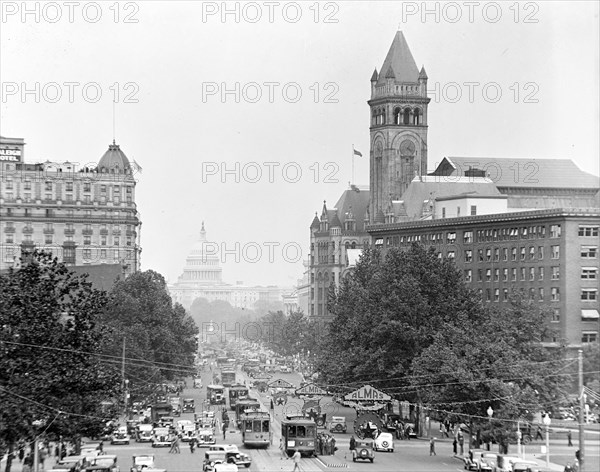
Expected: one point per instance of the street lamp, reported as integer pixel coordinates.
(546, 422)
(490, 413)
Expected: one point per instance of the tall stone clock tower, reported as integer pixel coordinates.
(398, 127)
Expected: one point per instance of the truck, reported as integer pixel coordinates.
(176, 404)
(228, 378)
(158, 410)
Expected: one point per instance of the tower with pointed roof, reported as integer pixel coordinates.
(398, 128)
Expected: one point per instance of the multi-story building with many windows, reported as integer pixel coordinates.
(84, 215)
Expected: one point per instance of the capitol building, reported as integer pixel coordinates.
(202, 278)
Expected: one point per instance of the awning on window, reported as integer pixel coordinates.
(590, 314)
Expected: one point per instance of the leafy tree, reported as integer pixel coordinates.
(51, 376)
(497, 360)
(387, 312)
(160, 338)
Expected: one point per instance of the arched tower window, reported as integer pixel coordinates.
(397, 114)
(406, 116)
(374, 117)
(417, 117)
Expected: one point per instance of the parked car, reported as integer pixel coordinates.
(384, 442)
(363, 450)
(71, 463)
(105, 462)
(487, 461)
(525, 466)
(188, 405)
(144, 433)
(338, 424)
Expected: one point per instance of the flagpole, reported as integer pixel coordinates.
(353, 164)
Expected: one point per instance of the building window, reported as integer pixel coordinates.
(588, 231)
(523, 274)
(451, 255)
(480, 275)
(87, 240)
(540, 273)
(116, 241)
(555, 231)
(505, 275)
(540, 252)
(589, 294)
(128, 242)
(497, 295)
(488, 275)
(9, 239)
(541, 293)
(69, 255)
(102, 253)
(450, 238)
(532, 273)
(443, 212)
(48, 239)
(589, 252)
(458, 211)
(468, 275)
(496, 275)
(488, 255)
(532, 253)
(488, 294)
(555, 294)
(87, 254)
(27, 185)
(532, 293)
(555, 252)
(102, 188)
(480, 255)
(103, 241)
(473, 210)
(87, 187)
(48, 187)
(589, 272)
(496, 254)
(555, 316)
(468, 237)
(69, 186)
(523, 253)
(555, 273)
(513, 274)
(505, 254)
(589, 337)
(116, 254)
(468, 255)
(116, 189)
(513, 254)
(505, 294)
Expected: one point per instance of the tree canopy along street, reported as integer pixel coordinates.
(62, 363)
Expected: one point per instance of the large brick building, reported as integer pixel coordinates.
(84, 215)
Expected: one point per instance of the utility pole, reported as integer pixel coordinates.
(581, 414)
(123, 380)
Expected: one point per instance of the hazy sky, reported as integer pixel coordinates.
(204, 87)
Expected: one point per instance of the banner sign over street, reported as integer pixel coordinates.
(311, 389)
(368, 394)
(279, 383)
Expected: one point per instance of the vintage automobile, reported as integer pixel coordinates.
(504, 463)
(471, 461)
(131, 426)
(197, 382)
(188, 405)
(105, 462)
(166, 422)
(233, 454)
(146, 461)
(89, 450)
(363, 450)
(384, 442)
(390, 421)
(161, 437)
(212, 458)
(144, 433)
(525, 466)
(120, 436)
(205, 437)
(188, 432)
(338, 424)
(487, 461)
(71, 463)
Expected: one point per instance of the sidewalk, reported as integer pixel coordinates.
(541, 461)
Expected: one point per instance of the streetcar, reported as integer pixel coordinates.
(299, 434)
(237, 392)
(243, 405)
(228, 377)
(215, 394)
(256, 428)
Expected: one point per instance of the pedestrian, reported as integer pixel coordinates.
(461, 443)
(192, 445)
(569, 438)
(21, 452)
(538, 434)
(282, 448)
(296, 457)
(272, 406)
(57, 450)
(333, 448)
(432, 446)
(101, 447)
(224, 430)
(455, 446)
(352, 443)
(42, 454)
(63, 451)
